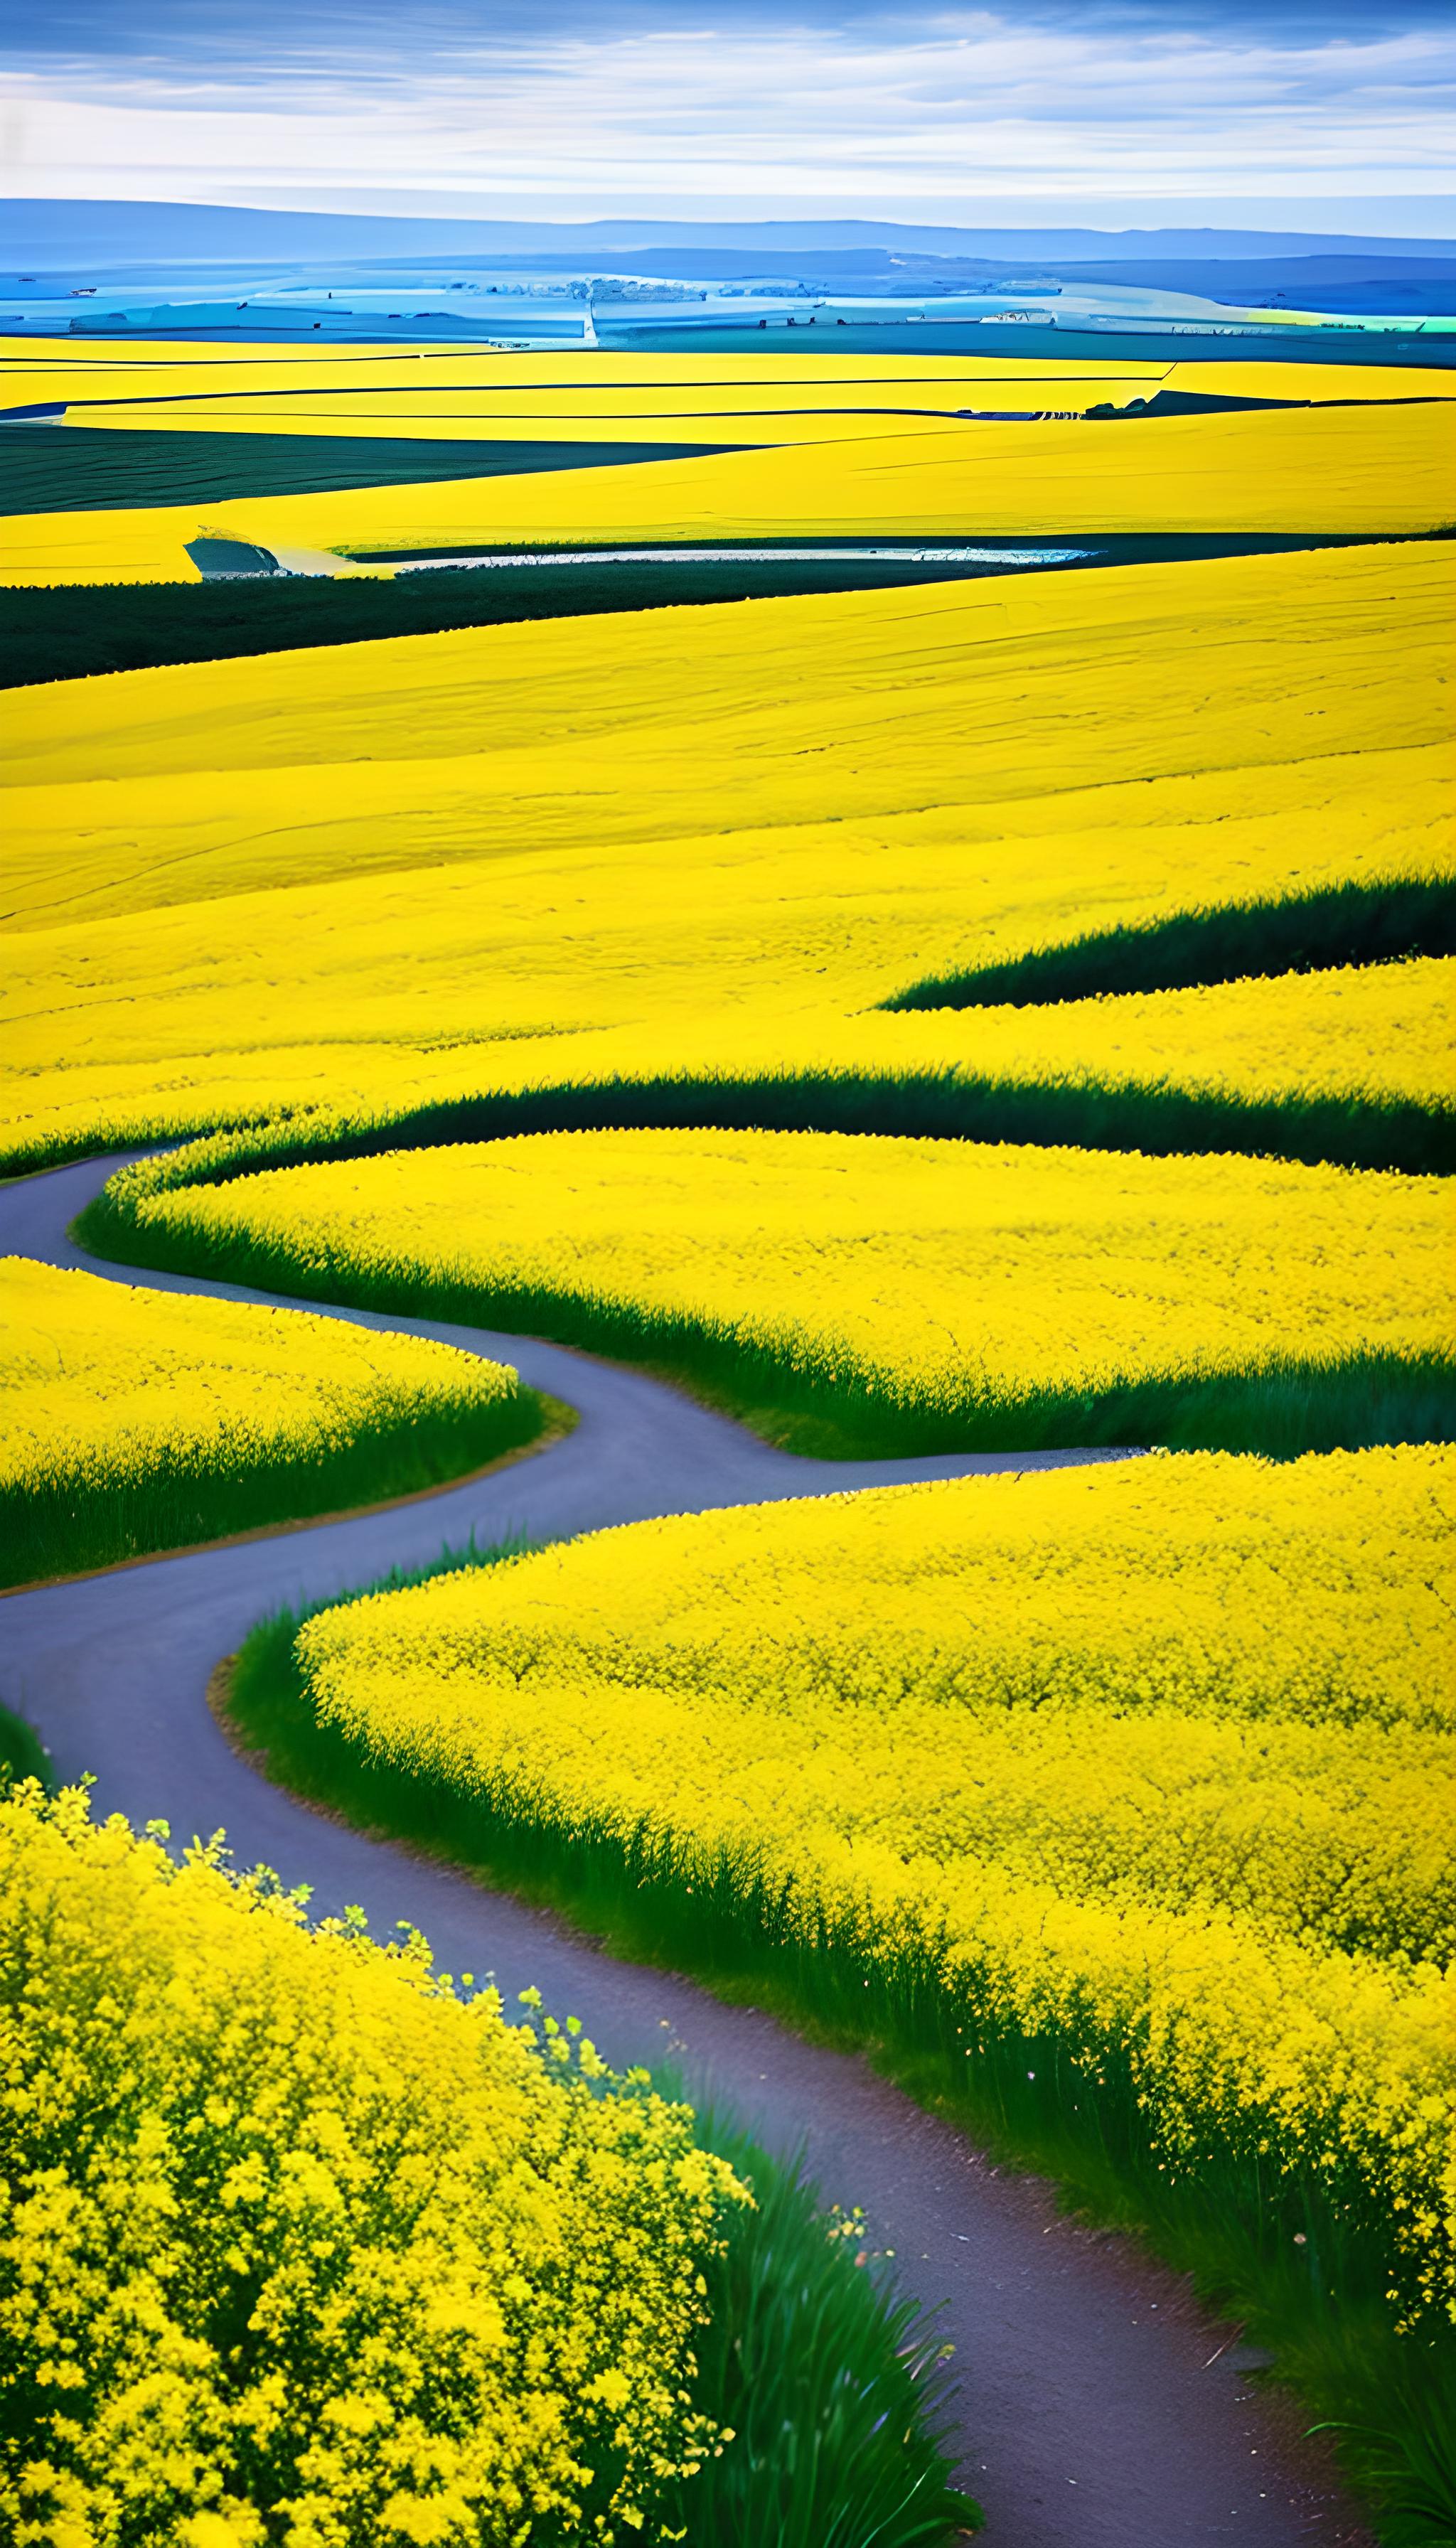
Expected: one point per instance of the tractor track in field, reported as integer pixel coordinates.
(1101, 2404)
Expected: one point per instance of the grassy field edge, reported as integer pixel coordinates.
(816, 1405)
(1382, 919)
(69, 632)
(22, 1755)
(1161, 1122)
(836, 2390)
(65, 1527)
(837, 2387)
(1302, 2273)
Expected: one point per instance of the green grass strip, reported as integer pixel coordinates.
(1376, 923)
(1303, 2262)
(58, 633)
(949, 1104)
(835, 2391)
(22, 1755)
(69, 1527)
(89, 468)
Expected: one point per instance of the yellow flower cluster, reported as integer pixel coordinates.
(945, 1274)
(102, 1383)
(750, 825)
(296, 2244)
(1157, 1756)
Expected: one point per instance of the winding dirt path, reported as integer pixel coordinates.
(1093, 2412)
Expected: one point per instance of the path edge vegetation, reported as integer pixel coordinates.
(805, 2340)
(804, 1400)
(1259, 2249)
(838, 2389)
(22, 1755)
(66, 1527)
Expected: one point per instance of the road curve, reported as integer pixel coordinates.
(1091, 2414)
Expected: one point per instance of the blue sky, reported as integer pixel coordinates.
(1118, 112)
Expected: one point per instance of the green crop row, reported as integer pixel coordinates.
(90, 468)
(56, 633)
(1375, 922)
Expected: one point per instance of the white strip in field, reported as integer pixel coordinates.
(746, 557)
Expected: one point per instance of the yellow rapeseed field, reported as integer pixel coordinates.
(1146, 1764)
(1362, 468)
(984, 717)
(179, 384)
(99, 1381)
(948, 1276)
(981, 731)
(138, 1420)
(692, 840)
(297, 2244)
(444, 394)
(1158, 1755)
(297, 387)
(1381, 1032)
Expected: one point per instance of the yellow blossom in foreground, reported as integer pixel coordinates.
(296, 2243)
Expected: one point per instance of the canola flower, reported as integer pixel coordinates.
(133, 1415)
(297, 389)
(298, 2243)
(1375, 1035)
(283, 389)
(1362, 468)
(964, 725)
(1155, 1757)
(329, 880)
(950, 1277)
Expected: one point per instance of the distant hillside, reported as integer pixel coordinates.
(42, 233)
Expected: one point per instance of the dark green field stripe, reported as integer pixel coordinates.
(1373, 923)
(947, 1105)
(1181, 403)
(90, 468)
(65, 632)
(936, 1105)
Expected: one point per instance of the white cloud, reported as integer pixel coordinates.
(764, 124)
